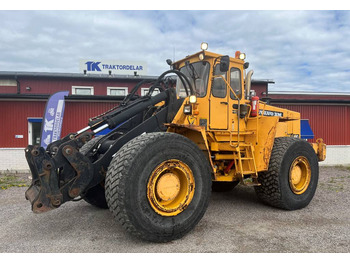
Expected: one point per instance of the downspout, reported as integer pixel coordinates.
(18, 85)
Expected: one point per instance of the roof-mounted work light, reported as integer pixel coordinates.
(204, 46)
(240, 55)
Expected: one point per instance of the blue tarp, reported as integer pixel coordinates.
(305, 129)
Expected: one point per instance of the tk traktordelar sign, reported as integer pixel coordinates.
(113, 67)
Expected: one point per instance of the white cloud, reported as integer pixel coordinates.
(299, 50)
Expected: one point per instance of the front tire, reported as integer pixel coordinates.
(291, 180)
(158, 186)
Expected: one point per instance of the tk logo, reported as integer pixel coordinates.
(93, 66)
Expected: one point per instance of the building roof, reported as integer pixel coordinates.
(14, 74)
(308, 97)
(301, 93)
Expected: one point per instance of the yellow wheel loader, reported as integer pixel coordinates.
(204, 131)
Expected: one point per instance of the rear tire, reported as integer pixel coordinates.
(291, 180)
(138, 192)
(96, 195)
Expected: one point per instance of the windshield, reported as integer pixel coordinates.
(197, 74)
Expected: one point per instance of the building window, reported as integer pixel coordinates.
(117, 91)
(8, 82)
(144, 91)
(82, 90)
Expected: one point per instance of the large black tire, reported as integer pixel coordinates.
(96, 195)
(223, 186)
(277, 188)
(128, 179)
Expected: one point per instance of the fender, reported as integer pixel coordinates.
(198, 135)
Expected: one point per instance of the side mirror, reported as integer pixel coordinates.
(224, 63)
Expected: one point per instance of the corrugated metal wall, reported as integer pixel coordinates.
(14, 118)
(77, 114)
(330, 122)
(13, 121)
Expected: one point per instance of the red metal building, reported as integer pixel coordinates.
(328, 113)
(23, 96)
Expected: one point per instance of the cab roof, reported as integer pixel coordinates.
(207, 54)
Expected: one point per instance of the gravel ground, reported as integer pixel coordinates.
(235, 222)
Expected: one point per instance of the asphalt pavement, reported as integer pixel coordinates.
(235, 222)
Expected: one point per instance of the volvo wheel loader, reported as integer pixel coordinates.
(165, 154)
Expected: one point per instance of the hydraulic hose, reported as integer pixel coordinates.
(182, 78)
(135, 109)
(134, 90)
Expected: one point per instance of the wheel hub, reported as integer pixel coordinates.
(296, 175)
(299, 175)
(170, 188)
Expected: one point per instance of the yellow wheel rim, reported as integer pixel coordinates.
(299, 175)
(170, 188)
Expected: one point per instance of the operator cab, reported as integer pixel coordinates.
(217, 79)
(197, 68)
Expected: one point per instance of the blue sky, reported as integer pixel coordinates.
(299, 50)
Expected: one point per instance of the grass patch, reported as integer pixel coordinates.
(11, 180)
(336, 184)
(343, 167)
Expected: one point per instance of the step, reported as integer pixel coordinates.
(247, 173)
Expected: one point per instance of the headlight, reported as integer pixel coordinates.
(193, 99)
(187, 109)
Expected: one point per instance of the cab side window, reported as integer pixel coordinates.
(218, 88)
(235, 82)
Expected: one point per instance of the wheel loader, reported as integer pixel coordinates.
(205, 130)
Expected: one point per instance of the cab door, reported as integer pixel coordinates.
(235, 77)
(218, 115)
